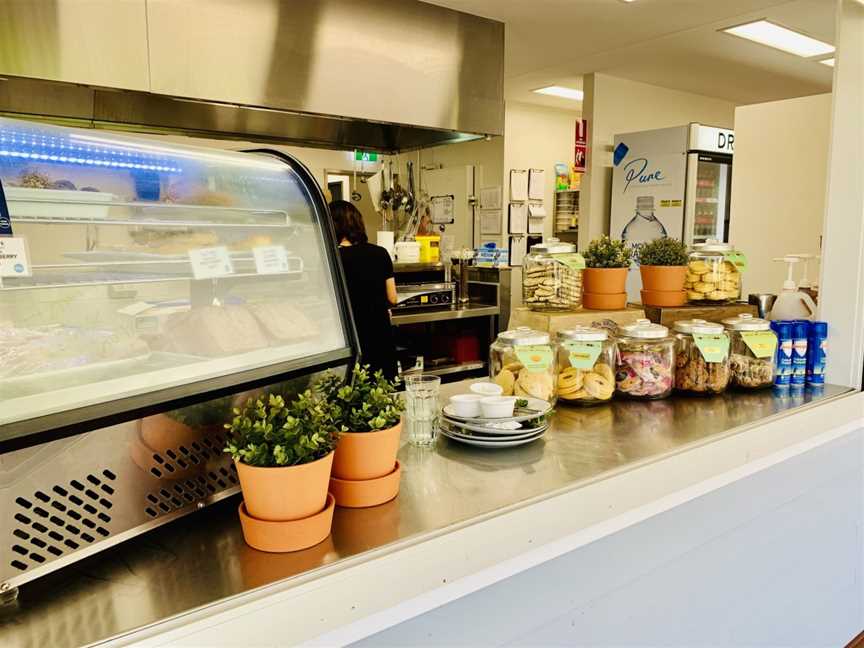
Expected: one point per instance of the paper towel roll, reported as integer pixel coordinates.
(385, 240)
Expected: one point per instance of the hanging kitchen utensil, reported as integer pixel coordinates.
(355, 195)
(410, 202)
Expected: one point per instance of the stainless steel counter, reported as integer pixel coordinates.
(202, 558)
(437, 315)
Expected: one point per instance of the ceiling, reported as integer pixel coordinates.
(670, 43)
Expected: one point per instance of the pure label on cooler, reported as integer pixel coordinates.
(763, 344)
(535, 358)
(714, 348)
(583, 355)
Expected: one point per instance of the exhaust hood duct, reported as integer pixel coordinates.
(378, 74)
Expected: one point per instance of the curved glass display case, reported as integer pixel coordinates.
(157, 272)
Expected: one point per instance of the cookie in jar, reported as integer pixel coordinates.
(552, 277)
(753, 351)
(701, 357)
(712, 277)
(586, 357)
(524, 363)
(645, 361)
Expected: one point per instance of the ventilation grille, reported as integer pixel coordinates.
(172, 464)
(49, 525)
(182, 493)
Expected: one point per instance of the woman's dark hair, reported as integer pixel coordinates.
(348, 222)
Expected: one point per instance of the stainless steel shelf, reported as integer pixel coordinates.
(58, 220)
(418, 267)
(132, 280)
(454, 369)
(435, 315)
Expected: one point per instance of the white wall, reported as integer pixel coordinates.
(778, 185)
(614, 106)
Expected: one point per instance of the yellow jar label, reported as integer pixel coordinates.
(583, 355)
(535, 358)
(763, 344)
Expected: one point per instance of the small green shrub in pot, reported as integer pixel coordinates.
(663, 266)
(663, 252)
(605, 277)
(368, 412)
(268, 432)
(603, 252)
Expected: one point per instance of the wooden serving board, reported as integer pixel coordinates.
(554, 322)
(667, 316)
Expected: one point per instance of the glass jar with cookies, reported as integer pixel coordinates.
(586, 357)
(713, 274)
(701, 357)
(552, 277)
(524, 363)
(645, 361)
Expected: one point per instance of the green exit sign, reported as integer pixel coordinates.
(365, 156)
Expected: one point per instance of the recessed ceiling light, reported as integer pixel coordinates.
(561, 91)
(828, 62)
(772, 35)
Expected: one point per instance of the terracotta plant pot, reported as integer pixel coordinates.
(669, 298)
(366, 492)
(663, 278)
(604, 281)
(593, 301)
(288, 535)
(366, 455)
(285, 493)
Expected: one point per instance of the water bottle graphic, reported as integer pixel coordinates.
(644, 226)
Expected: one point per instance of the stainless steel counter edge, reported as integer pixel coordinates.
(433, 315)
(348, 600)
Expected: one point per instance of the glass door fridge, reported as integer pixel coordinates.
(707, 199)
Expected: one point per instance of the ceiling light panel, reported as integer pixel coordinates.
(787, 40)
(561, 91)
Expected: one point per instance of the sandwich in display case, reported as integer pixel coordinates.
(158, 283)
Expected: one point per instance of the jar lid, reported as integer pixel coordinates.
(523, 336)
(583, 334)
(698, 326)
(643, 328)
(553, 246)
(712, 245)
(746, 322)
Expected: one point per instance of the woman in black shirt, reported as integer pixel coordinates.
(371, 287)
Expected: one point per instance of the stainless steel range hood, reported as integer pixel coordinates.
(379, 74)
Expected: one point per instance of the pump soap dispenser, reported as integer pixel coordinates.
(791, 303)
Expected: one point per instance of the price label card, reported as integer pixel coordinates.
(14, 257)
(270, 259)
(211, 262)
(738, 260)
(583, 355)
(763, 344)
(535, 358)
(714, 348)
(572, 260)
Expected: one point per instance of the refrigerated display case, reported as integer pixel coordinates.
(162, 280)
(709, 179)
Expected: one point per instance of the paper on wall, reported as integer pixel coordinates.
(518, 247)
(535, 225)
(536, 210)
(536, 178)
(518, 184)
(442, 209)
(490, 198)
(518, 221)
(490, 221)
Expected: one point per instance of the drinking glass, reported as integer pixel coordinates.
(422, 408)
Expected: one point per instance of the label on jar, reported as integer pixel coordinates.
(737, 259)
(583, 355)
(763, 344)
(714, 348)
(572, 260)
(536, 358)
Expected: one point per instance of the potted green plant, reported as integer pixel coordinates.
(663, 266)
(369, 416)
(284, 453)
(605, 276)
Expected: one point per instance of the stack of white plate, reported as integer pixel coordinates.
(516, 430)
